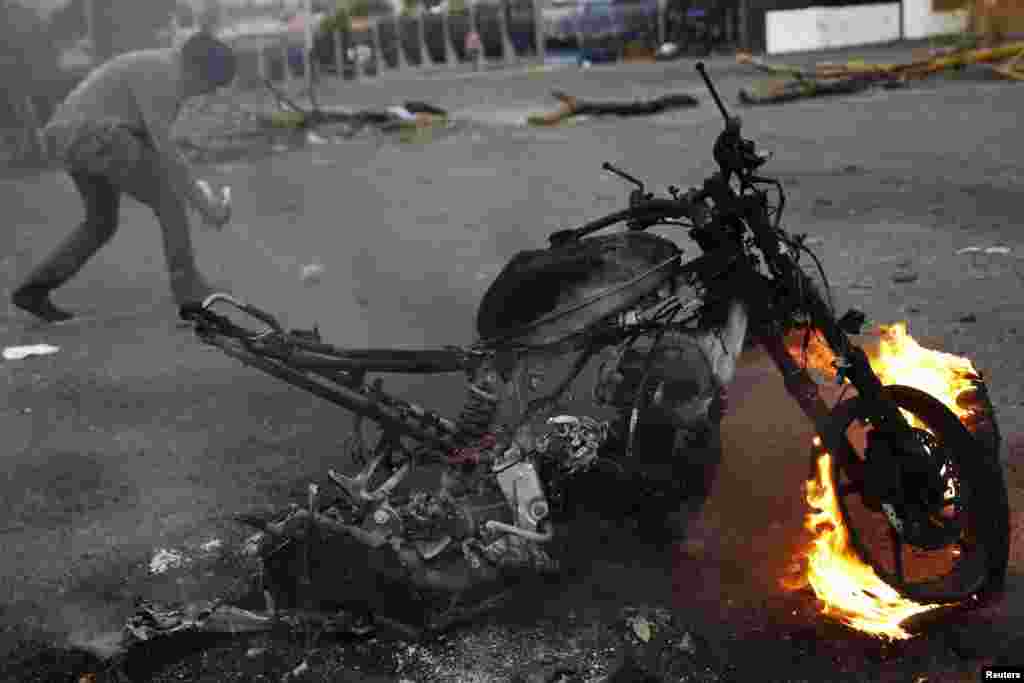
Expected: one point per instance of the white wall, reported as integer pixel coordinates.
(860, 25)
(791, 30)
(822, 28)
(920, 22)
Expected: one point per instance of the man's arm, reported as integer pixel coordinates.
(158, 112)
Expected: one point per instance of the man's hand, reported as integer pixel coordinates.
(217, 210)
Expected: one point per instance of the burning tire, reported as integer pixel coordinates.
(973, 566)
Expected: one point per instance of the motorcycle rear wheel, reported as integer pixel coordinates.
(977, 567)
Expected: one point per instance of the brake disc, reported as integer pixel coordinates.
(918, 515)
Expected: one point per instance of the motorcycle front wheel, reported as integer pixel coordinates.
(972, 515)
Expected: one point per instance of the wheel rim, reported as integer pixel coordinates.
(947, 575)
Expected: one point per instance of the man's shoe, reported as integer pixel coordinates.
(36, 300)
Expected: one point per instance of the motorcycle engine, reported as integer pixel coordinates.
(478, 527)
(509, 497)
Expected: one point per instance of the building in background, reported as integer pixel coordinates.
(781, 26)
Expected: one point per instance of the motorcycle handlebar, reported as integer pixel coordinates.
(688, 207)
(202, 312)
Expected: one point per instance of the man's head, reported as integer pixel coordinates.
(208, 64)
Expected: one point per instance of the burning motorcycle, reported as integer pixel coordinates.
(667, 332)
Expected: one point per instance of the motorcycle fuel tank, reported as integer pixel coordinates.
(548, 296)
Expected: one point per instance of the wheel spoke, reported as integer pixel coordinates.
(897, 553)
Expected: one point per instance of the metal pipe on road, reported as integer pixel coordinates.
(473, 28)
(401, 62)
(508, 50)
(744, 22)
(662, 12)
(450, 57)
(378, 53)
(262, 68)
(539, 32)
(425, 58)
(307, 57)
(339, 53)
(288, 75)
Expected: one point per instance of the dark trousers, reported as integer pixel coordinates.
(110, 163)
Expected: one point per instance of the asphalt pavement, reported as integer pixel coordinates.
(133, 437)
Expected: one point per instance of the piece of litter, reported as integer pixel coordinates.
(315, 139)
(225, 196)
(904, 277)
(297, 671)
(968, 250)
(22, 352)
(251, 547)
(164, 560)
(402, 113)
(487, 272)
(255, 652)
(997, 250)
(311, 273)
(642, 629)
(211, 545)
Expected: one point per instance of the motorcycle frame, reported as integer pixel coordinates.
(741, 218)
(338, 376)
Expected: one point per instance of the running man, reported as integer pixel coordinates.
(112, 134)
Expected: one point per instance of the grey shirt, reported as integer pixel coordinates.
(140, 91)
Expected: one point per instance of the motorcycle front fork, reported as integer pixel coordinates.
(804, 390)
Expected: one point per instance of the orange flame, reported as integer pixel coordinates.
(899, 359)
(849, 590)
